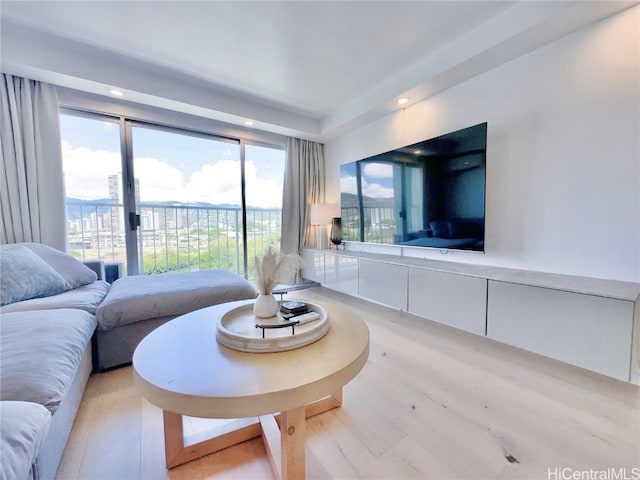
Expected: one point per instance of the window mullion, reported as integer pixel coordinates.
(129, 197)
(243, 196)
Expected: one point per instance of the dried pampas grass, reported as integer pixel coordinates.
(275, 267)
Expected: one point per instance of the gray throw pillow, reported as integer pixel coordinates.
(72, 270)
(23, 428)
(24, 275)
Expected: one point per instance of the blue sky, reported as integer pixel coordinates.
(170, 166)
(377, 179)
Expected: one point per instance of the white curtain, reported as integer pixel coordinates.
(31, 183)
(304, 185)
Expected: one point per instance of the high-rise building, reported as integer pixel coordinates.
(115, 197)
(136, 183)
(115, 188)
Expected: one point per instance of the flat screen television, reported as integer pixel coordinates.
(428, 194)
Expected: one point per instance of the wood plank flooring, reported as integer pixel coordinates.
(431, 403)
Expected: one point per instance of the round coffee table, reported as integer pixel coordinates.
(181, 368)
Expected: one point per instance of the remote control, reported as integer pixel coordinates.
(291, 316)
(307, 317)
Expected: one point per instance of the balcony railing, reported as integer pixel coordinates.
(379, 224)
(173, 238)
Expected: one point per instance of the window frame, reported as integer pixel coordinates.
(155, 121)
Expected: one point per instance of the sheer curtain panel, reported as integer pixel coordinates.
(304, 185)
(31, 183)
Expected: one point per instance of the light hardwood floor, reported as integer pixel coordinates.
(431, 403)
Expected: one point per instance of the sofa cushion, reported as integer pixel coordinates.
(459, 228)
(72, 270)
(40, 352)
(142, 297)
(23, 428)
(25, 275)
(86, 297)
(440, 229)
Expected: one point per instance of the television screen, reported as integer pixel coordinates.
(429, 194)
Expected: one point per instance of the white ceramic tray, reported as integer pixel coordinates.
(237, 329)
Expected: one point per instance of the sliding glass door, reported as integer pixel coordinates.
(165, 200)
(188, 201)
(92, 165)
(263, 180)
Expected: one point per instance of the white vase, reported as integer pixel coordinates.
(265, 306)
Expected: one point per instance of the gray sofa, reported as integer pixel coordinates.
(138, 304)
(459, 233)
(51, 340)
(45, 354)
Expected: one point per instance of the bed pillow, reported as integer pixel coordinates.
(25, 275)
(72, 270)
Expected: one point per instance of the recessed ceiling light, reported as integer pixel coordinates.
(116, 93)
(403, 100)
(417, 152)
(248, 122)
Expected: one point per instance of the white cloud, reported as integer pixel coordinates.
(87, 172)
(159, 180)
(378, 170)
(216, 183)
(376, 190)
(261, 192)
(349, 184)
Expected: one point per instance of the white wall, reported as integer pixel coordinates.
(563, 153)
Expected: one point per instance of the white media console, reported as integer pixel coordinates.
(588, 322)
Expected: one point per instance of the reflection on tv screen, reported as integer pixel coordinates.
(429, 194)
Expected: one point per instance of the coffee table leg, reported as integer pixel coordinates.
(179, 450)
(173, 437)
(292, 443)
(285, 445)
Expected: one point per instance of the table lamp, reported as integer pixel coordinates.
(336, 231)
(321, 215)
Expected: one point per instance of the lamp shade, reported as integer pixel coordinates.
(322, 213)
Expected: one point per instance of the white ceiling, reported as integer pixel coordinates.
(305, 68)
